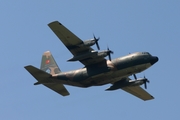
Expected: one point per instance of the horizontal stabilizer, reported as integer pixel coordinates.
(45, 78)
(59, 88)
(39, 75)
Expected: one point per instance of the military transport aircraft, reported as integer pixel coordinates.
(96, 71)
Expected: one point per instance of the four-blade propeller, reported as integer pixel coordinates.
(96, 41)
(109, 52)
(145, 80)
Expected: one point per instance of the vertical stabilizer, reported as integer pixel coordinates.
(48, 64)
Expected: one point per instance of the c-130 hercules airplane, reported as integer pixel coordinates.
(97, 70)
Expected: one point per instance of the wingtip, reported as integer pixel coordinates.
(27, 66)
(37, 83)
(66, 94)
(149, 98)
(152, 97)
(54, 22)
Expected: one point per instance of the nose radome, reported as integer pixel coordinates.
(154, 59)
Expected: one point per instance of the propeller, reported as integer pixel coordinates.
(109, 52)
(145, 82)
(96, 41)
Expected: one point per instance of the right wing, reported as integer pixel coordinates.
(138, 92)
(74, 44)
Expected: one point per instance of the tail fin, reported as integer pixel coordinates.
(48, 64)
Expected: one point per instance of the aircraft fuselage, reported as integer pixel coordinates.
(110, 72)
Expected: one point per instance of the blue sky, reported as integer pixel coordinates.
(125, 26)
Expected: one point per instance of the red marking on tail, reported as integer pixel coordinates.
(47, 61)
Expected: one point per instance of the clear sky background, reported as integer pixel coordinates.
(125, 26)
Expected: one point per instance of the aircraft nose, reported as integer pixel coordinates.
(154, 59)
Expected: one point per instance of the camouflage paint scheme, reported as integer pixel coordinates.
(109, 72)
(97, 71)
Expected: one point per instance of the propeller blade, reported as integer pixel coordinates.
(96, 41)
(148, 81)
(145, 82)
(109, 56)
(144, 76)
(145, 85)
(97, 44)
(135, 76)
(109, 52)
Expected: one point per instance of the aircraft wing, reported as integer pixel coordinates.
(73, 43)
(138, 92)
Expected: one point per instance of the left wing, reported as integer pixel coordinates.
(73, 43)
(138, 92)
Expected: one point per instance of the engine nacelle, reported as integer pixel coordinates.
(83, 56)
(103, 53)
(126, 83)
(90, 42)
(137, 82)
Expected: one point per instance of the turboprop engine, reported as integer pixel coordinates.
(91, 42)
(129, 83)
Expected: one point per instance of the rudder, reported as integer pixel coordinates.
(48, 64)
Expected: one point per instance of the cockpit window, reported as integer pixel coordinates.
(146, 53)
